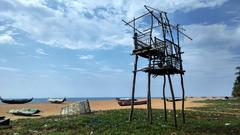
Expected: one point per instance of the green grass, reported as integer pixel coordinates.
(116, 122)
(221, 106)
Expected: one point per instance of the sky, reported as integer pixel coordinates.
(81, 48)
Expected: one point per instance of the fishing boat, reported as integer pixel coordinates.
(4, 122)
(176, 99)
(2, 117)
(56, 100)
(125, 99)
(16, 101)
(129, 102)
(24, 111)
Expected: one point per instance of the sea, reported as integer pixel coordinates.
(45, 100)
(76, 99)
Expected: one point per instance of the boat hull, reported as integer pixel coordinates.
(4, 122)
(16, 101)
(57, 101)
(128, 103)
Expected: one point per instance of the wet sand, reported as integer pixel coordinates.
(49, 109)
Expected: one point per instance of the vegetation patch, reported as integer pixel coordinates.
(205, 120)
(231, 106)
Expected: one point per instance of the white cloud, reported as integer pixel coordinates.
(188, 5)
(210, 58)
(212, 48)
(6, 39)
(109, 69)
(87, 24)
(214, 35)
(11, 69)
(76, 69)
(68, 67)
(40, 51)
(86, 57)
(236, 19)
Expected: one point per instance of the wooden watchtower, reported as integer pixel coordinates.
(156, 40)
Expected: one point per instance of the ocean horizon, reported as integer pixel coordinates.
(75, 99)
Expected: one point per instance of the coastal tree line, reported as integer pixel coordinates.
(236, 85)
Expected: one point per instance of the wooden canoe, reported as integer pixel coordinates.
(24, 111)
(128, 103)
(125, 99)
(56, 100)
(2, 117)
(16, 101)
(4, 122)
(176, 99)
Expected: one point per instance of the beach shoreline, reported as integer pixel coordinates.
(49, 109)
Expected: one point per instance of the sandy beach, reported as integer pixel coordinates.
(49, 109)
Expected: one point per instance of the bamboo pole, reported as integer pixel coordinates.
(133, 87)
(183, 98)
(149, 106)
(173, 97)
(164, 98)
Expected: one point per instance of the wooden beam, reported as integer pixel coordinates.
(183, 98)
(164, 98)
(133, 87)
(173, 97)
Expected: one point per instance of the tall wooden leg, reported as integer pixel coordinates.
(173, 98)
(133, 87)
(149, 106)
(183, 98)
(164, 98)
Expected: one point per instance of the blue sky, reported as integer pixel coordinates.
(81, 48)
